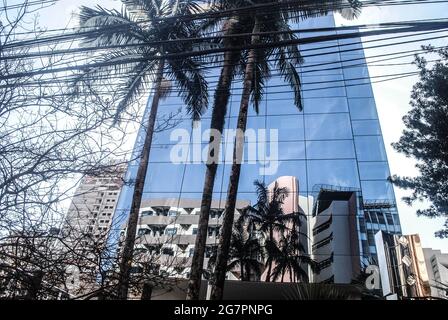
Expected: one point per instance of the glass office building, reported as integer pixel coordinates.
(335, 141)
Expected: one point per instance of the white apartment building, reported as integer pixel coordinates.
(334, 243)
(168, 227)
(437, 267)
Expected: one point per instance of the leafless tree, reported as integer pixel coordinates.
(51, 137)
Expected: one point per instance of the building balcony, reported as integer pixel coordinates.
(166, 239)
(322, 235)
(156, 220)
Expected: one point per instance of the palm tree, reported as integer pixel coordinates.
(246, 254)
(255, 75)
(221, 100)
(268, 217)
(288, 258)
(321, 291)
(141, 22)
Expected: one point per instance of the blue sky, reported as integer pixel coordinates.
(392, 97)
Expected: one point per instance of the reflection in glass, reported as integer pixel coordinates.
(370, 148)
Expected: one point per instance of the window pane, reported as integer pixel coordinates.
(359, 91)
(373, 170)
(341, 173)
(330, 149)
(290, 168)
(370, 148)
(293, 150)
(325, 105)
(377, 190)
(366, 127)
(362, 109)
(289, 127)
(328, 126)
(164, 177)
(323, 86)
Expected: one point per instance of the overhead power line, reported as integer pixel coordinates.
(205, 52)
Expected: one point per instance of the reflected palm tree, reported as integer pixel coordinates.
(267, 28)
(287, 258)
(245, 257)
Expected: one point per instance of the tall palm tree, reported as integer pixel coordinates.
(142, 22)
(221, 99)
(256, 73)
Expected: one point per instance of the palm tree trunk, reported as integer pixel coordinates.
(232, 193)
(247, 273)
(268, 274)
(222, 95)
(147, 291)
(128, 247)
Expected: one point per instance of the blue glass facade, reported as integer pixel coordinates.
(336, 140)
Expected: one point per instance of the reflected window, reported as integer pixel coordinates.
(359, 91)
(377, 190)
(341, 173)
(362, 108)
(328, 126)
(370, 148)
(373, 170)
(366, 127)
(289, 127)
(330, 149)
(325, 105)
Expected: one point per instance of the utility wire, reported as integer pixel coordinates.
(184, 54)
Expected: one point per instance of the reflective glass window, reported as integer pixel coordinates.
(289, 127)
(325, 105)
(377, 190)
(291, 150)
(333, 172)
(164, 177)
(328, 126)
(362, 90)
(370, 148)
(323, 86)
(373, 170)
(355, 74)
(366, 127)
(330, 149)
(363, 108)
(296, 168)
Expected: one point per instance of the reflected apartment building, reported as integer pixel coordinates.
(333, 148)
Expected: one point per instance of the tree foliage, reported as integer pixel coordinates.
(425, 139)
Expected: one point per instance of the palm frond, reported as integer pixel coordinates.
(352, 11)
(292, 77)
(193, 86)
(133, 86)
(109, 27)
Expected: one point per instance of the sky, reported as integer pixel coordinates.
(392, 97)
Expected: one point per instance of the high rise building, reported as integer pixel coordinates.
(93, 205)
(88, 222)
(334, 143)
